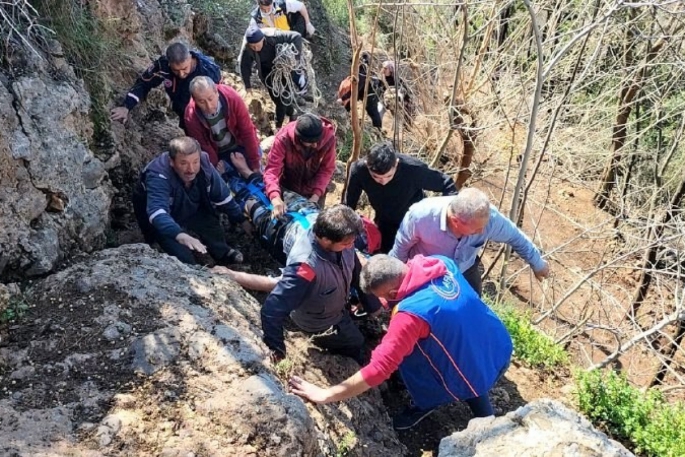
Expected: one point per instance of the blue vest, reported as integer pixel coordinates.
(468, 346)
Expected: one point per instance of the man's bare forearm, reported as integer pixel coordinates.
(250, 281)
(255, 282)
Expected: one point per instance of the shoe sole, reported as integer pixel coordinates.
(407, 427)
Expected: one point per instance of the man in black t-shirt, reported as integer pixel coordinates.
(393, 182)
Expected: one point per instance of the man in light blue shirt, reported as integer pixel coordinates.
(458, 227)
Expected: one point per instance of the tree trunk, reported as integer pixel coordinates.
(625, 105)
(357, 133)
(455, 105)
(669, 354)
(469, 140)
(649, 257)
(504, 19)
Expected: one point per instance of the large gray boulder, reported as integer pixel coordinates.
(539, 429)
(133, 353)
(54, 194)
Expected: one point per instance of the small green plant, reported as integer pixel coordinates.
(284, 368)
(656, 428)
(346, 444)
(16, 309)
(530, 345)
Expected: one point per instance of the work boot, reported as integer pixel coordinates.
(410, 417)
(232, 257)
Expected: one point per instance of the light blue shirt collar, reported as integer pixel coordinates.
(443, 219)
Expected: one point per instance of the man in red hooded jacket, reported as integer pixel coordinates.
(302, 160)
(219, 120)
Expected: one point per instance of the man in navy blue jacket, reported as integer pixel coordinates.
(181, 189)
(176, 69)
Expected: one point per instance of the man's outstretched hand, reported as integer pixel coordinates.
(119, 114)
(218, 269)
(278, 207)
(191, 243)
(308, 390)
(543, 272)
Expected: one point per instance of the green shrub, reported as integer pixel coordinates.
(531, 346)
(656, 428)
(16, 309)
(346, 444)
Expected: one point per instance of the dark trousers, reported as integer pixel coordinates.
(205, 223)
(371, 108)
(285, 103)
(388, 232)
(343, 338)
(281, 109)
(473, 276)
(481, 406)
(297, 24)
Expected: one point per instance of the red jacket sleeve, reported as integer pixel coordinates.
(274, 168)
(245, 132)
(404, 331)
(325, 173)
(195, 129)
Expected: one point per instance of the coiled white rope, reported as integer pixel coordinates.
(280, 81)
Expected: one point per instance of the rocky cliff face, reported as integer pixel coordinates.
(131, 352)
(54, 194)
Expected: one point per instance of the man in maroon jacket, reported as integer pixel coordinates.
(218, 119)
(302, 160)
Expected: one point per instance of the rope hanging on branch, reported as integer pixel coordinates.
(280, 80)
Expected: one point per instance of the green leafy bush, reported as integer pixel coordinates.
(531, 346)
(16, 309)
(656, 428)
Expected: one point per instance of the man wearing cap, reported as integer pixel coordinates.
(175, 70)
(283, 15)
(262, 50)
(302, 159)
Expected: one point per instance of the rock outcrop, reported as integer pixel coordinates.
(54, 194)
(541, 428)
(131, 352)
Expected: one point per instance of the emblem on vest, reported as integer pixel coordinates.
(167, 83)
(446, 286)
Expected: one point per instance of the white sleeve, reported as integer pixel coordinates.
(253, 23)
(293, 6)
